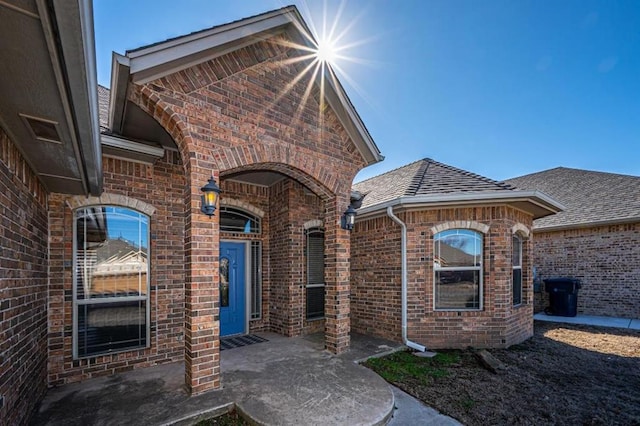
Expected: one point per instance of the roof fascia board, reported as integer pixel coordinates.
(120, 70)
(182, 47)
(159, 71)
(342, 106)
(121, 143)
(535, 197)
(553, 228)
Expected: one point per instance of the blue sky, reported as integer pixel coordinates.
(499, 88)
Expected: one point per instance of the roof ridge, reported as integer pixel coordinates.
(387, 172)
(501, 184)
(418, 178)
(572, 169)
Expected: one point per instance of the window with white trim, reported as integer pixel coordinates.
(517, 270)
(111, 280)
(315, 274)
(457, 265)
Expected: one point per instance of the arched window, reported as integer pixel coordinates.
(457, 264)
(233, 219)
(111, 280)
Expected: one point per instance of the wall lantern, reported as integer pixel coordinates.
(210, 197)
(348, 219)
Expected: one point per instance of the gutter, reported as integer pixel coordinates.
(403, 249)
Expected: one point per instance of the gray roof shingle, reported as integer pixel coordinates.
(588, 196)
(424, 177)
(103, 107)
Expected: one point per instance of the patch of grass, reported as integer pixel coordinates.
(400, 366)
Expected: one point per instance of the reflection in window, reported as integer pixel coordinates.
(458, 270)
(239, 221)
(224, 282)
(517, 270)
(111, 288)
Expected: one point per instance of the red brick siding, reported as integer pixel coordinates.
(23, 287)
(377, 241)
(291, 207)
(162, 186)
(240, 112)
(607, 261)
(376, 279)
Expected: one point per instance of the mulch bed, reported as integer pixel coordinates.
(564, 375)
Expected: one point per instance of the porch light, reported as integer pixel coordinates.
(348, 218)
(210, 197)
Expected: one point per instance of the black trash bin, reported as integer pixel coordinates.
(563, 296)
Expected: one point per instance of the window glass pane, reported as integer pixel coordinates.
(111, 279)
(106, 327)
(315, 302)
(517, 251)
(458, 247)
(315, 257)
(457, 289)
(256, 280)
(111, 253)
(236, 220)
(224, 282)
(517, 286)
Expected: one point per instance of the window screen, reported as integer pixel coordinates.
(315, 274)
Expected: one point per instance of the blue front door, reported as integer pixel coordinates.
(232, 294)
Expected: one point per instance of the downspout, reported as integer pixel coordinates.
(403, 244)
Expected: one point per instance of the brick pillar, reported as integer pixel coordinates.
(202, 325)
(338, 287)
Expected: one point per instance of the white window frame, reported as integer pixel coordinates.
(437, 268)
(77, 303)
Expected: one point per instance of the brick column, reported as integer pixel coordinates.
(202, 325)
(338, 287)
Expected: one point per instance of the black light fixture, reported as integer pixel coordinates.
(348, 219)
(210, 197)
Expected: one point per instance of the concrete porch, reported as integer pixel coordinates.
(282, 381)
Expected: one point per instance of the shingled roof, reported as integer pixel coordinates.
(424, 177)
(103, 107)
(589, 197)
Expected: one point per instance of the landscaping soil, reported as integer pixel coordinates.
(564, 375)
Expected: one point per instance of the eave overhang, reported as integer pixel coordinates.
(149, 63)
(49, 78)
(535, 203)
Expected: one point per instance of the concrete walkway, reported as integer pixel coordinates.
(285, 381)
(633, 324)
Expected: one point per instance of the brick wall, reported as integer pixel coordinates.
(606, 259)
(291, 206)
(23, 286)
(162, 186)
(376, 281)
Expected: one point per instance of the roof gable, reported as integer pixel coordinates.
(424, 177)
(428, 183)
(590, 197)
(158, 60)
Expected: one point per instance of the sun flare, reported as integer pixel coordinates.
(326, 52)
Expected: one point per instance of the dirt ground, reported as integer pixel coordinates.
(564, 375)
